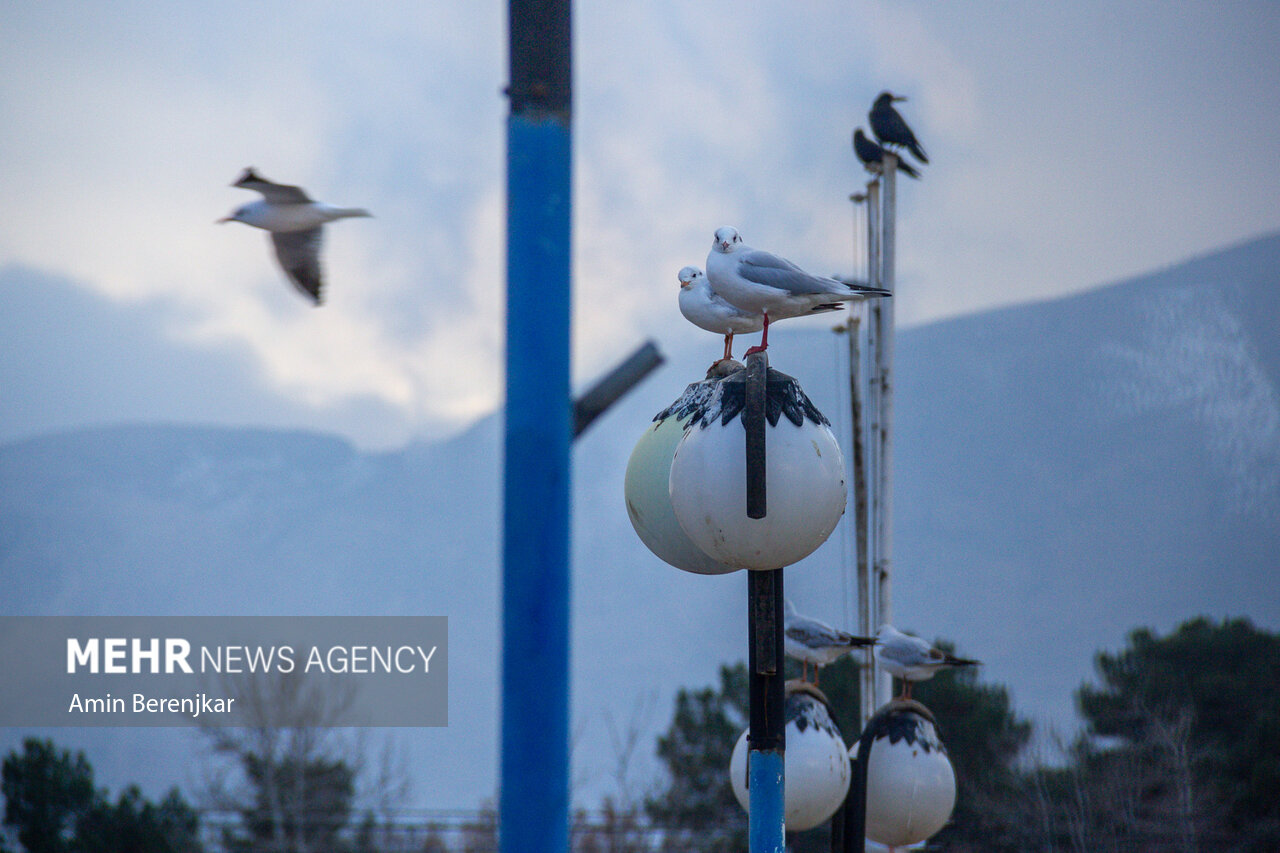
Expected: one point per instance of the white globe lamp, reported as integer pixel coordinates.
(815, 764)
(911, 785)
(804, 475)
(647, 492)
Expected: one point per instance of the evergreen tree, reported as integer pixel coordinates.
(50, 799)
(696, 751)
(1203, 705)
(984, 739)
(297, 805)
(45, 792)
(136, 825)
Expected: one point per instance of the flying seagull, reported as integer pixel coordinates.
(911, 658)
(704, 308)
(760, 282)
(890, 128)
(812, 642)
(872, 155)
(296, 225)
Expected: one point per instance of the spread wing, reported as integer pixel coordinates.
(299, 256)
(272, 192)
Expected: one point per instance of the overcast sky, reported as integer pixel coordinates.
(1072, 145)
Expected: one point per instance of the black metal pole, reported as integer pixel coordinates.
(854, 822)
(767, 738)
(617, 382)
(837, 828)
(753, 413)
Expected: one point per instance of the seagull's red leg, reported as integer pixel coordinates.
(728, 346)
(817, 673)
(764, 339)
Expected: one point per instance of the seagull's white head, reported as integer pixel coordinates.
(689, 276)
(726, 239)
(887, 633)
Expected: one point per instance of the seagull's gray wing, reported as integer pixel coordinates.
(909, 651)
(816, 635)
(272, 192)
(770, 270)
(299, 255)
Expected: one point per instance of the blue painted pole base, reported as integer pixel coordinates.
(767, 832)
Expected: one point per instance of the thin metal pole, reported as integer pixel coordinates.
(855, 808)
(872, 692)
(534, 794)
(888, 258)
(767, 736)
(866, 674)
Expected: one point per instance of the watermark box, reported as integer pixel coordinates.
(224, 671)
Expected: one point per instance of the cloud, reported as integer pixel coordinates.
(127, 150)
(70, 358)
(125, 127)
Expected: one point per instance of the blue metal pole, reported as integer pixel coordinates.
(534, 794)
(767, 823)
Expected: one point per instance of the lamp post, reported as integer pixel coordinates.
(816, 760)
(759, 494)
(903, 787)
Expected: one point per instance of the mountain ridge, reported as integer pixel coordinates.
(1065, 471)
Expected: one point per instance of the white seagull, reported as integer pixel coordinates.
(911, 658)
(706, 309)
(812, 642)
(760, 282)
(295, 223)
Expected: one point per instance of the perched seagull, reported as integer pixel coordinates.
(295, 223)
(707, 309)
(812, 642)
(890, 128)
(911, 658)
(704, 308)
(872, 155)
(759, 282)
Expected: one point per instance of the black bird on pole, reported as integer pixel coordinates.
(890, 128)
(872, 155)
